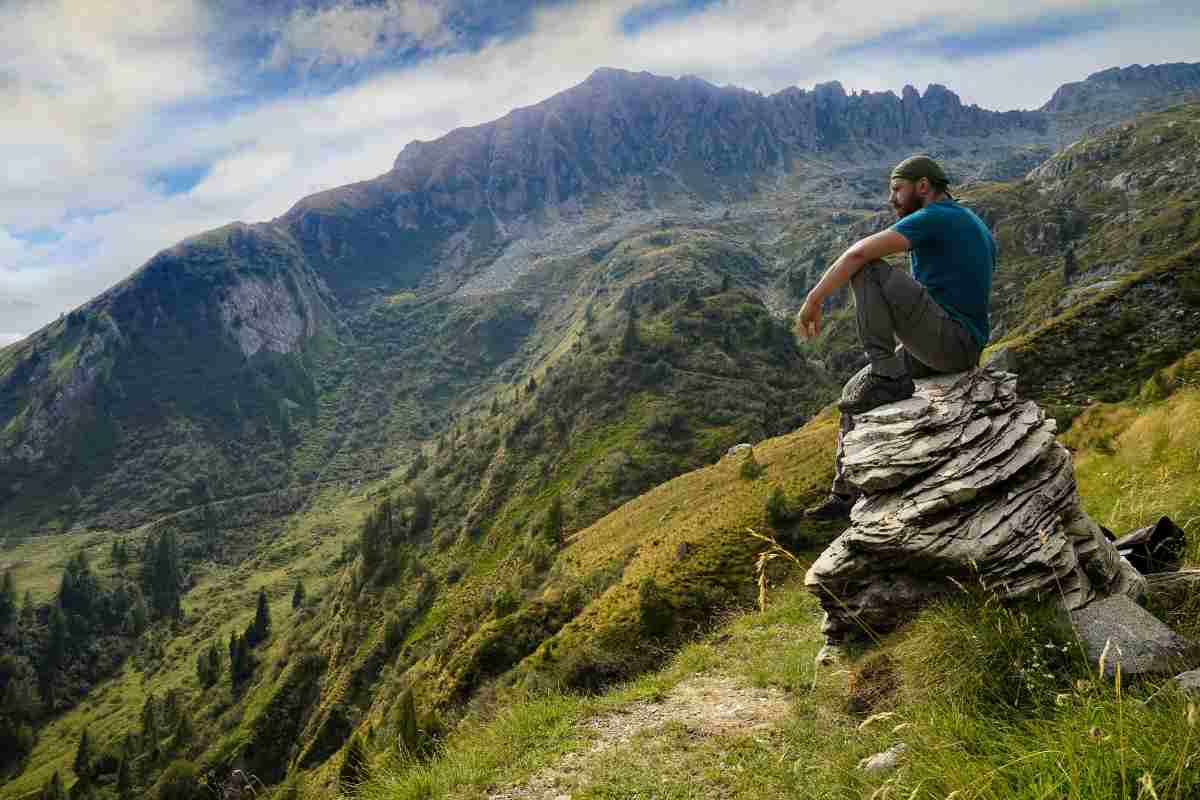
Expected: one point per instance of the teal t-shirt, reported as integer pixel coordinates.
(953, 256)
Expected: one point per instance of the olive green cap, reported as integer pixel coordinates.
(914, 168)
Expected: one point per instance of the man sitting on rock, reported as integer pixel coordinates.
(939, 313)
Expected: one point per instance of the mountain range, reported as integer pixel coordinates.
(444, 397)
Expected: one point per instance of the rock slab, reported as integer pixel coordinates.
(963, 484)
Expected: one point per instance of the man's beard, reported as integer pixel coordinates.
(910, 207)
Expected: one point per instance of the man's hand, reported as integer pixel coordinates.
(810, 318)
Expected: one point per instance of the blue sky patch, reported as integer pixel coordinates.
(42, 235)
(179, 179)
(657, 12)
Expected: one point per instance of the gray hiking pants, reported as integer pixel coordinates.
(892, 306)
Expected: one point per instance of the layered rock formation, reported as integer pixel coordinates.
(964, 484)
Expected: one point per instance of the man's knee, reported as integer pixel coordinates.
(872, 270)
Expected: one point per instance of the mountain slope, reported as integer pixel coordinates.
(449, 416)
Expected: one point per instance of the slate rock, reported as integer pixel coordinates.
(1135, 638)
(962, 483)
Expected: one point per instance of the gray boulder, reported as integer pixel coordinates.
(1125, 633)
(963, 483)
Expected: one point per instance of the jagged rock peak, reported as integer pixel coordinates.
(1123, 84)
(962, 482)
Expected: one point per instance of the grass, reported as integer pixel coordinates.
(1136, 462)
(983, 712)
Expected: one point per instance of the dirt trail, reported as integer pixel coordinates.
(709, 705)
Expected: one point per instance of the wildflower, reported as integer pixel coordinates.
(1083, 686)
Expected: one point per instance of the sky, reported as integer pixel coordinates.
(128, 125)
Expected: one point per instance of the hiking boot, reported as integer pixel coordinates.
(832, 508)
(868, 390)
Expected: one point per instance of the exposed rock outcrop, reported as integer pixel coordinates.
(964, 482)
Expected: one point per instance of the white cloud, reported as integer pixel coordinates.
(348, 33)
(272, 155)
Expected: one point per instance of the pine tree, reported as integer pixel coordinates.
(124, 781)
(726, 284)
(408, 736)
(260, 629)
(150, 727)
(552, 526)
(28, 610)
(8, 599)
(54, 788)
(184, 730)
(422, 511)
(630, 341)
(56, 650)
(298, 595)
(83, 758)
(203, 673)
(214, 661)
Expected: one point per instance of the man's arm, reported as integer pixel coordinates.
(858, 255)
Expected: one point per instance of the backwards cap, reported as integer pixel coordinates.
(916, 167)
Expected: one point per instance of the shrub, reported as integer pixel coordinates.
(179, 782)
(779, 508)
(653, 609)
(750, 469)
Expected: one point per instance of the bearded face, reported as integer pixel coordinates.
(905, 197)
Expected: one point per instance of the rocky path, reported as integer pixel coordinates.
(708, 704)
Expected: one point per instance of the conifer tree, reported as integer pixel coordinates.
(408, 736)
(83, 758)
(54, 788)
(298, 595)
(183, 729)
(630, 341)
(422, 511)
(56, 650)
(214, 662)
(260, 629)
(8, 599)
(124, 780)
(552, 526)
(150, 728)
(28, 610)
